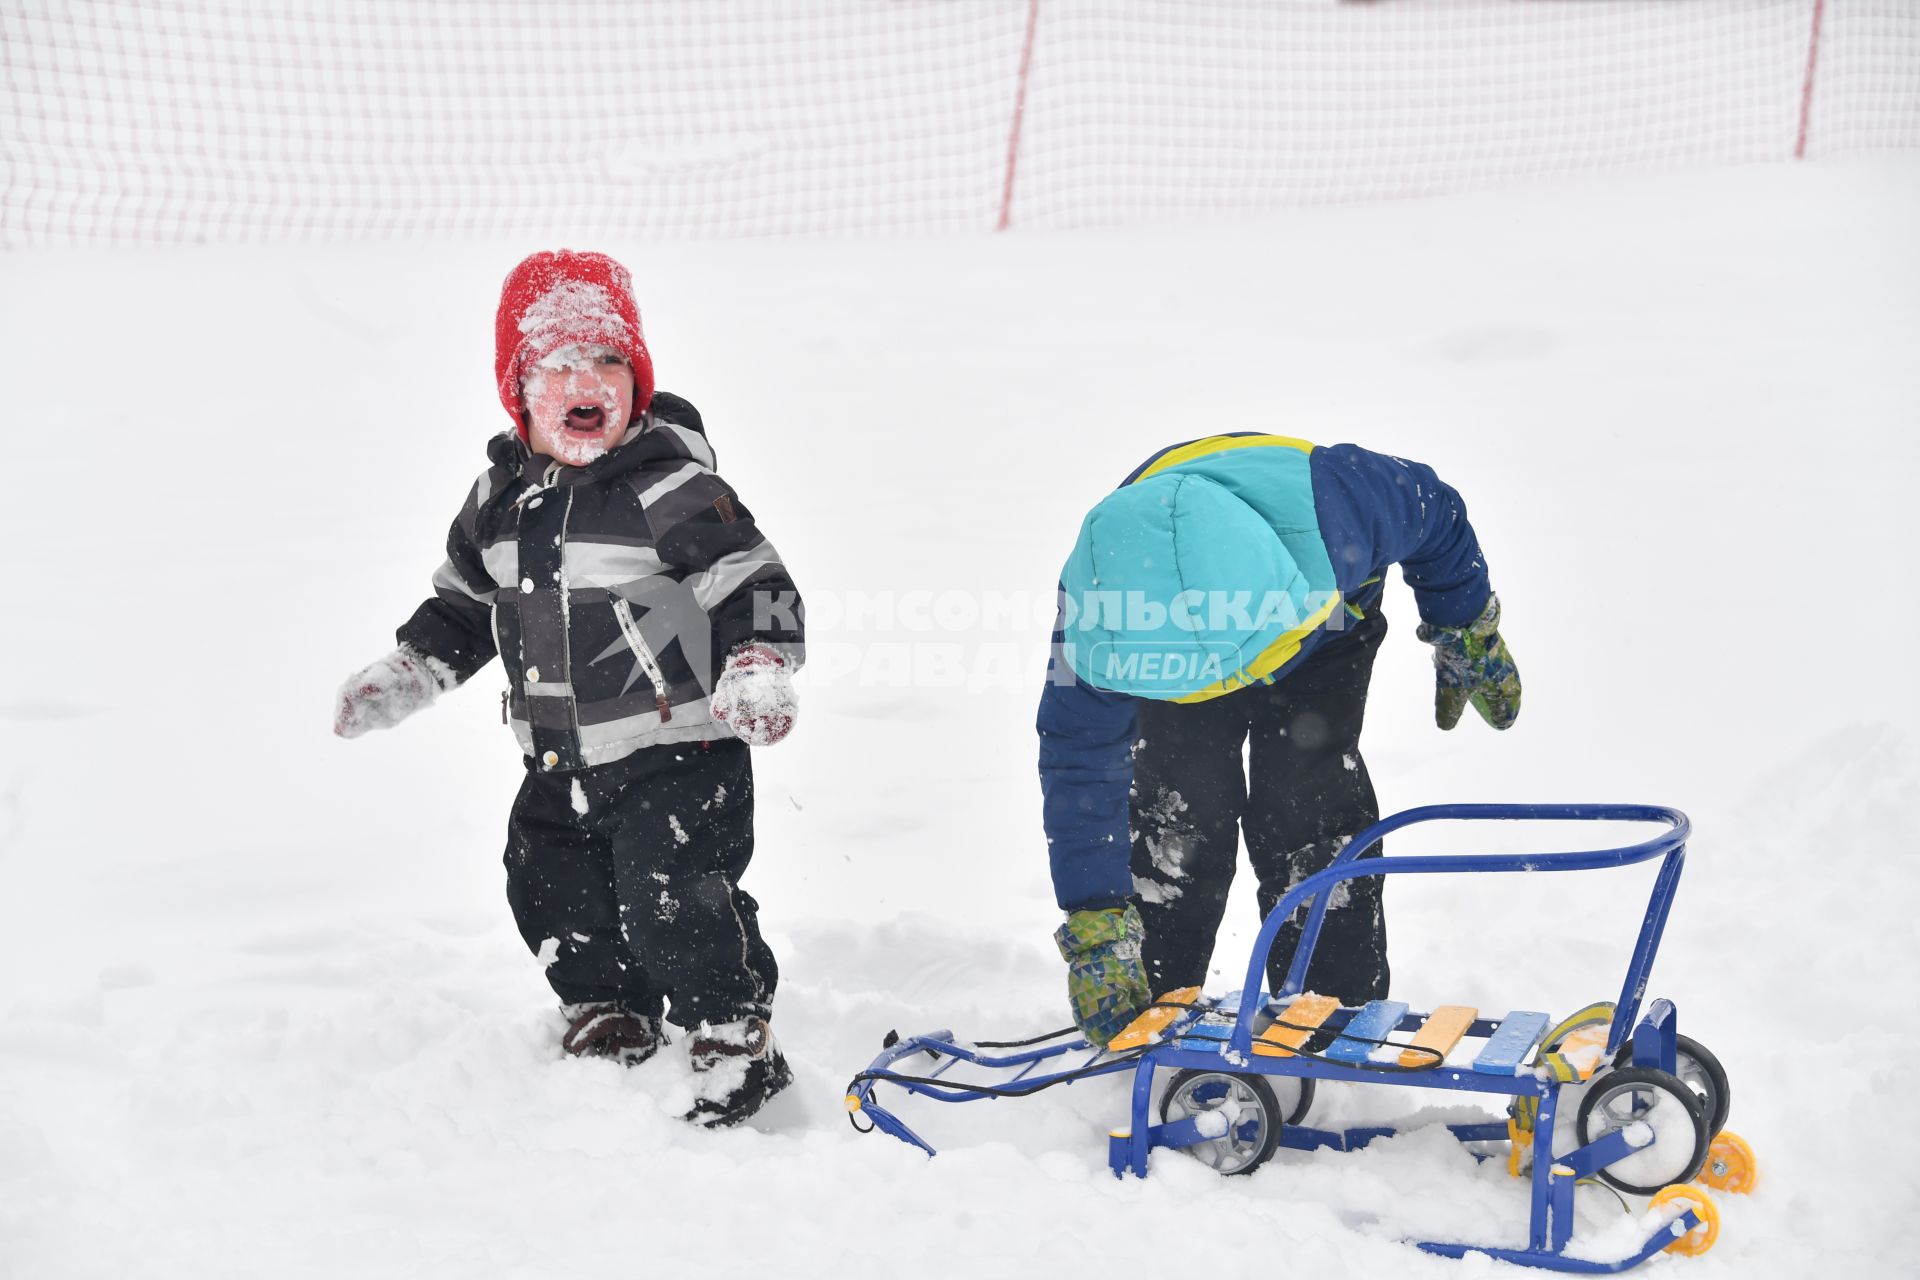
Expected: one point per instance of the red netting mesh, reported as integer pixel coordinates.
(125, 122)
(1866, 87)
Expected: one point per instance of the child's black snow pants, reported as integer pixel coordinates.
(625, 880)
(1310, 793)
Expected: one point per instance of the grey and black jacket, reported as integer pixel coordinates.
(613, 592)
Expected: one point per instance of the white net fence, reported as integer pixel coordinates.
(155, 122)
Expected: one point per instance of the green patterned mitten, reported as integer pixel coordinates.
(1105, 980)
(1471, 664)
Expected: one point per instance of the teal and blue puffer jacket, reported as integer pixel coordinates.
(1216, 565)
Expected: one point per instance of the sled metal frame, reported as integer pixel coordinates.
(1176, 1048)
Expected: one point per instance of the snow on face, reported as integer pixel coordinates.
(579, 401)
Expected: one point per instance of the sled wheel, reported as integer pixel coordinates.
(1252, 1110)
(1691, 1244)
(1731, 1165)
(1293, 1093)
(1701, 1072)
(1631, 1095)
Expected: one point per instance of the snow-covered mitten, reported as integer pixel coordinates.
(1106, 981)
(389, 691)
(754, 695)
(1471, 664)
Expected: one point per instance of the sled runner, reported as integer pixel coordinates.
(1646, 1103)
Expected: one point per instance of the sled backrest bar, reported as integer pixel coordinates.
(1315, 892)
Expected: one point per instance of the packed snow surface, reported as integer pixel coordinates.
(263, 1011)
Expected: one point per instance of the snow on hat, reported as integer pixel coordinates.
(564, 298)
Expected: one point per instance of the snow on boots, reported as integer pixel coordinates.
(737, 1067)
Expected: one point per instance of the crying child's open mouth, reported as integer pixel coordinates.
(586, 419)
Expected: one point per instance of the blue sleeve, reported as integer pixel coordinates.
(1086, 772)
(1376, 510)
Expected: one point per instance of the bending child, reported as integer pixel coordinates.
(1220, 617)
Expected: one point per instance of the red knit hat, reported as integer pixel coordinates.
(560, 299)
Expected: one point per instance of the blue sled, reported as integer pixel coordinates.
(1228, 1053)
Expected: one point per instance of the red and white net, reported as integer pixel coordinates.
(156, 122)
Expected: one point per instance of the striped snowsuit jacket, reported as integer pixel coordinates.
(612, 592)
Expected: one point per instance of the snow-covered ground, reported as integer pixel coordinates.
(262, 1009)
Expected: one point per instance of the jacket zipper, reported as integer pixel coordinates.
(623, 614)
(566, 603)
(534, 490)
(547, 480)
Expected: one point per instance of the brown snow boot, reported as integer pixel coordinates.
(608, 1029)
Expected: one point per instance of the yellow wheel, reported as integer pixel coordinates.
(1731, 1165)
(1683, 1197)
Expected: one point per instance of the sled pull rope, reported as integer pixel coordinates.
(998, 1090)
(1021, 1044)
(1100, 1065)
(1104, 1064)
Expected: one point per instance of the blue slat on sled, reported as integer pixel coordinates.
(1204, 1030)
(1372, 1023)
(1508, 1047)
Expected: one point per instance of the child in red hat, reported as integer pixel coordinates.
(649, 633)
